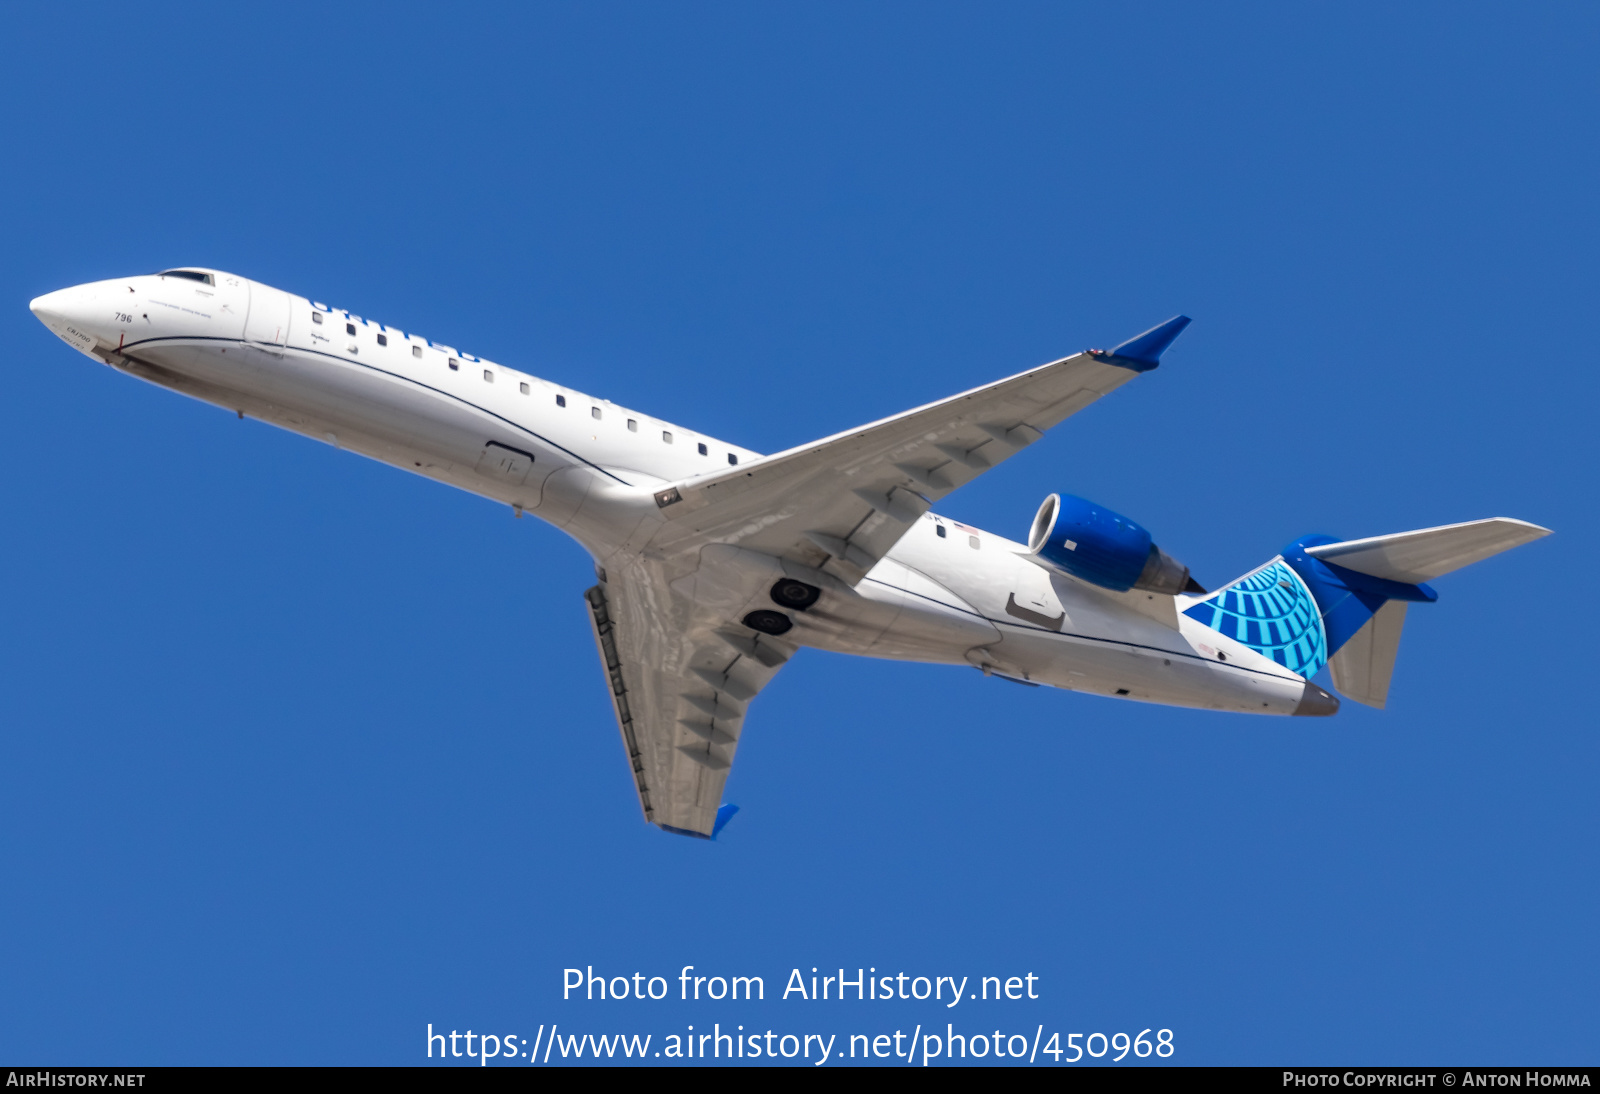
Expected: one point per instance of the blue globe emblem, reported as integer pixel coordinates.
(1273, 613)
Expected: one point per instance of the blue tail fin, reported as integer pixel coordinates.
(1299, 610)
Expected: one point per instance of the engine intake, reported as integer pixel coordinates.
(1103, 548)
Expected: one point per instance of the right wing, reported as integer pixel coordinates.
(844, 501)
(681, 674)
(679, 685)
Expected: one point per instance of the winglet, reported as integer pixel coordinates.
(1144, 352)
(725, 814)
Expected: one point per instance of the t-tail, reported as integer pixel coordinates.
(1343, 604)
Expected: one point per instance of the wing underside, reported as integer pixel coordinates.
(680, 686)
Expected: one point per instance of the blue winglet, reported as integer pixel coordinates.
(1144, 352)
(724, 815)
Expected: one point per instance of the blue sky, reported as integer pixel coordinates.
(302, 754)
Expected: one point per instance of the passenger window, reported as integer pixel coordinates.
(594, 412)
(416, 351)
(383, 339)
(488, 377)
(972, 541)
(732, 459)
(702, 448)
(666, 437)
(455, 365)
(350, 328)
(633, 426)
(316, 317)
(561, 400)
(524, 388)
(939, 530)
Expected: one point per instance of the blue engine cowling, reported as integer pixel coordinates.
(1103, 548)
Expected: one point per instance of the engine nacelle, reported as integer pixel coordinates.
(1102, 547)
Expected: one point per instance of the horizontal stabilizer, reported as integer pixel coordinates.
(1427, 553)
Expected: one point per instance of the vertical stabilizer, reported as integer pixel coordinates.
(1304, 613)
(1342, 603)
(1364, 665)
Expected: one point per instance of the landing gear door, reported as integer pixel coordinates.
(268, 324)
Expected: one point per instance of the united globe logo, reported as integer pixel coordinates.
(1273, 613)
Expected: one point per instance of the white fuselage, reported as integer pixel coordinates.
(945, 593)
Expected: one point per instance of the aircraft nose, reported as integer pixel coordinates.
(52, 305)
(75, 304)
(70, 315)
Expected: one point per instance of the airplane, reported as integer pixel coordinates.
(715, 564)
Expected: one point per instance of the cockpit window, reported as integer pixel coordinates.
(189, 275)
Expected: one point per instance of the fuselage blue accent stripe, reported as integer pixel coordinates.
(383, 372)
(1189, 654)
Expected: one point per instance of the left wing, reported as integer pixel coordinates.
(844, 501)
(680, 684)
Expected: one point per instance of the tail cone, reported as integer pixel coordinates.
(1316, 703)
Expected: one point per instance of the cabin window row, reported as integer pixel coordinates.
(383, 340)
(350, 329)
(972, 541)
(633, 427)
(561, 400)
